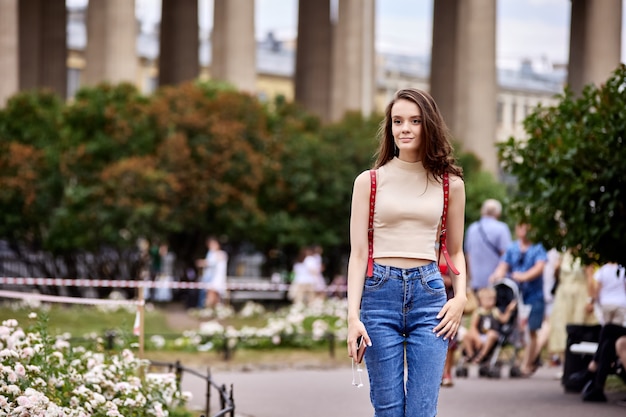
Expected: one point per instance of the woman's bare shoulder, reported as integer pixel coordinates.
(362, 179)
(456, 182)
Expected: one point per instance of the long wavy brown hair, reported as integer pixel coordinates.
(436, 149)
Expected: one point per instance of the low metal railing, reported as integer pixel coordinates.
(226, 398)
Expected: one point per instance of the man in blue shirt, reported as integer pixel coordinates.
(523, 262)
(485, 242)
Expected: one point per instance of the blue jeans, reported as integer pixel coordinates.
(399, 309)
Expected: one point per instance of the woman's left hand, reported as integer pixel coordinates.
(450, 315)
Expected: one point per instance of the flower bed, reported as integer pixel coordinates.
(45, 376)
(295, 326)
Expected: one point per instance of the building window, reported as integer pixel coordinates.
(527, 110)
(514, 113)
(500, 113)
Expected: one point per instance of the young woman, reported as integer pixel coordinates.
(401, 310)
(214, 269)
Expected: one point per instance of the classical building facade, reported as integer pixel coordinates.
(334, 67)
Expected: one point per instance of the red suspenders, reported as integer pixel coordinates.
(370, 227)
(443, 247)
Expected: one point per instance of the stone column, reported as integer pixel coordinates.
(233, 43)
(43, 45)
(595, 42)
(354, 74)
(444, 57)
(179, 42)
(111, 52)
(476, 80)
(9, 52)
(313, 57)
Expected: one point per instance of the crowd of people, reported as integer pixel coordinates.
(307, 282)
(556, 290)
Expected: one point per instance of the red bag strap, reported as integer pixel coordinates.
(442, 237)
(370, 226)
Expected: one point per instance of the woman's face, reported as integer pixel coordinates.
(406, 127)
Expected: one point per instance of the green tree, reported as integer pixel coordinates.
(215, 144)
(571, 175)
(101, 127)
(479, 186)
(29, 171)
(307, 199)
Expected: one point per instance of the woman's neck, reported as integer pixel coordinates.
(409, 156)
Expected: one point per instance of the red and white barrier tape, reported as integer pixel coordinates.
(67, 300)
(62, 282)
(94, 283)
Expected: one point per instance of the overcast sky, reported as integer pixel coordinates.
(525, 28)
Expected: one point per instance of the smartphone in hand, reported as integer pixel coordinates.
(360, 349)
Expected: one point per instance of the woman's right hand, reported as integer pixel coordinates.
(356, 328)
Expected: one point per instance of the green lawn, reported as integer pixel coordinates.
(83, 320)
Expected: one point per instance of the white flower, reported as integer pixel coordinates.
(19, 369)
(158, 410)
(205, 347)
(158, 341)
(211, 328)
(8, 353)
(32, 315)
(320, 327)
(61, 344)
(12, 389)
(28, 352)
(186, 396)
(97, 399)
(12, 377)
(23, 401)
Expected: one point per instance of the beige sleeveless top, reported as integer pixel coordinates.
(408, 210)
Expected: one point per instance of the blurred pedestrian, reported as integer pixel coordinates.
(165, 274)
(316, 265)
(486, 241)
(570, 301)
(214, 269)
(302, 288)
(610, 293)
(524, 262)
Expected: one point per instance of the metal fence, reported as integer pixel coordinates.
(226, 399)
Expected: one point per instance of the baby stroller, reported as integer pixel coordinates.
(508, 334)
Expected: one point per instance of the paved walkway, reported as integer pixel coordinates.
(329, 393)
